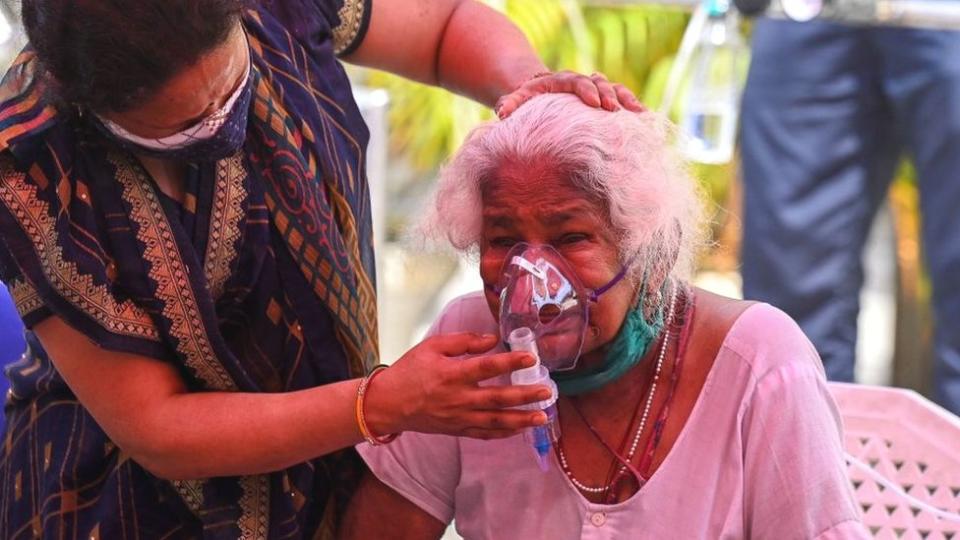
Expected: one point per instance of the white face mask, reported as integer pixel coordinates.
(203, 130)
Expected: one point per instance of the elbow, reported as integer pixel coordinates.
(173, 470)
(165, 459)
(165, 469)
(161, 464)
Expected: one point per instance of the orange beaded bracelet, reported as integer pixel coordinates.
(368, 435)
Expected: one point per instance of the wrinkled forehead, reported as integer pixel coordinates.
(537, 181)
(548, 193)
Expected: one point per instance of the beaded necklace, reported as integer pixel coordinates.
(643, 419)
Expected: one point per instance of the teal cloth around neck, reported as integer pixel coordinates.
(631, 345)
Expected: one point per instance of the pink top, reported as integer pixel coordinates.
(760, 456)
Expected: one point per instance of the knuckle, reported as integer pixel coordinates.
(498, 400)
(436, 385)
(461, 401)
(488, 364)
(586, 85)
(442, 379)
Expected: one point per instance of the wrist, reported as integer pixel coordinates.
(381, 413)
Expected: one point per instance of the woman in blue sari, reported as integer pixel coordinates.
(185, 229)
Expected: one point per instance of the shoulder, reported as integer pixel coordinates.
(344, 22)
(769, 340)
(781, 374)
(26, 112)
(467, 313)
(760, 353)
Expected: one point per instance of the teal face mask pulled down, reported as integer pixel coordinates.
(631, 345)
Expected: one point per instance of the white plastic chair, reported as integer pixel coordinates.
(904, 462)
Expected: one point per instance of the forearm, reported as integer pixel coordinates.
(202, 435)
(483, 55)
(461, 45)
(147, 410)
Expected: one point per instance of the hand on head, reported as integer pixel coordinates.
(594, 90)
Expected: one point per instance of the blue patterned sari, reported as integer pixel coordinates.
(261, 280)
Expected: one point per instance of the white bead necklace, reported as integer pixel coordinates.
(643, 419)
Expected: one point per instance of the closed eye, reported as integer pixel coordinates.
(573, 238)
(503, 242)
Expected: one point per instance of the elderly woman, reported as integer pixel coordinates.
(185, 227)
(685, 414)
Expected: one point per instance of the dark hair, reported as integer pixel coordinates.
(106, 55)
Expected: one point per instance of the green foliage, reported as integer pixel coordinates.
(625, 43)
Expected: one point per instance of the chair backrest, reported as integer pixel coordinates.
(912, 442)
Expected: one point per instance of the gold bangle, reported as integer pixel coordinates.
(368, 435)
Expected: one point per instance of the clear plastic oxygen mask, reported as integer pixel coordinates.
(540, 293)
(541, 438)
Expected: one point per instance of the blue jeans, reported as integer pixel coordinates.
(827, 112)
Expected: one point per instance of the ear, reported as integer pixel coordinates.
(657, 271)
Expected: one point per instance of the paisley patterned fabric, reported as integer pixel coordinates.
(260, 280)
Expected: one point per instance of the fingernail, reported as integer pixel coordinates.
(539, 419)
(488, 336)
(544, 394)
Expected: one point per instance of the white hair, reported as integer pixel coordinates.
(622, 158)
